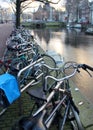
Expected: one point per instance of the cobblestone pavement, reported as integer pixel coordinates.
(5, 31)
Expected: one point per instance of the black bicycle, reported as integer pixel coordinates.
(54, 104)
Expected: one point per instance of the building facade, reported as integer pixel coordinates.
(91, 13)
(48, 13)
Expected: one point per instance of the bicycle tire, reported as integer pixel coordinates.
(9, 54)
(16, 65)
(72, 121)
(77, 122)
(49, 60)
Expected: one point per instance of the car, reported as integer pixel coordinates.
(89, 31)
(83, 21)
(77, 25)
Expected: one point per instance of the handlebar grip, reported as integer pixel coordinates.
(84, 66)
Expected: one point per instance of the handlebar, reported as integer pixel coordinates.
(74, 66)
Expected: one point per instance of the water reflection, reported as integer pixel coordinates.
(72, 45)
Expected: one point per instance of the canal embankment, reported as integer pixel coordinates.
(43, 24)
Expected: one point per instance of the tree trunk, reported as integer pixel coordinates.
(18, 4)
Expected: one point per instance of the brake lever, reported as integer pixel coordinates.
(88, 72)
(84, 68)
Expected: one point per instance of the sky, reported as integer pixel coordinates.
(3, 3)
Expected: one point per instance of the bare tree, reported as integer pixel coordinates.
(21, 5)
(24, 5)
(18, 6)
(73, 8)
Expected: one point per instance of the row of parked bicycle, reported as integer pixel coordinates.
(20, 60)
(31, 66)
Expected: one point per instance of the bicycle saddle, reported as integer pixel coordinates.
(34, 123)
(37, 93)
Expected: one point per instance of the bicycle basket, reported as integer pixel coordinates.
(8, 88)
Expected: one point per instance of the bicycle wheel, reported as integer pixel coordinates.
(71, 115)
(76, 123)
(49, 60)
(70, 119)
(9, 54)
(16, 65)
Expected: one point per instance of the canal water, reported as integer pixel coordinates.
(73, 45)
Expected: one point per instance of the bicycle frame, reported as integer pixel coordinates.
(65, 97)
(63, 100)
(54, 112)
(23, 70)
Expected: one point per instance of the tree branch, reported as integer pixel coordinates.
(26, 0)
(43, 1)
(24, 6)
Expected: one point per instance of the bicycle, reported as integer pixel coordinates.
(26, 53)
(15, 50)
(50, 109)
(14, 66)
(21, 41)
(35, 70)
